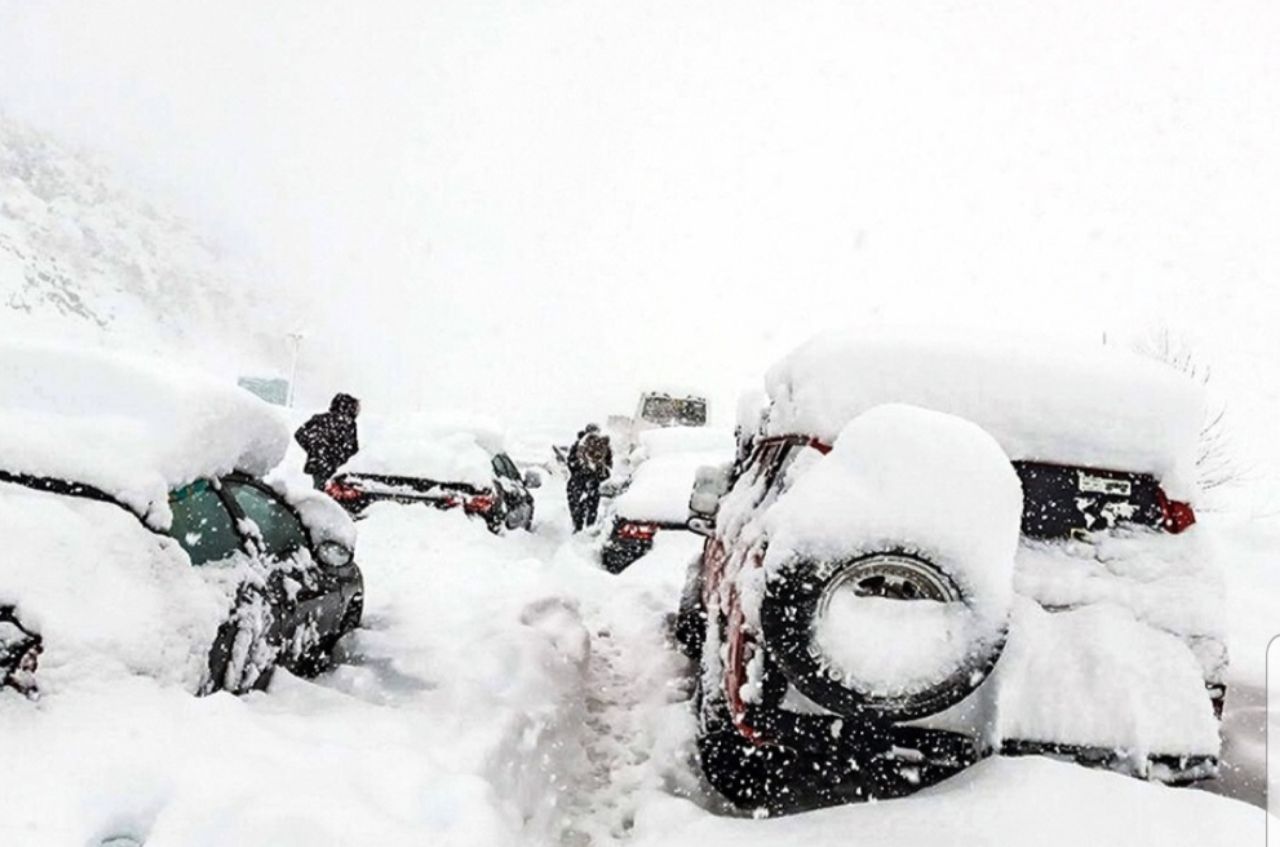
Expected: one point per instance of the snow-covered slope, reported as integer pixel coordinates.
(83, 257)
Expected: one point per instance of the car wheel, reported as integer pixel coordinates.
(246, 648)
(690, 631)
(796, 603)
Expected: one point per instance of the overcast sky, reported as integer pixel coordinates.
(536, 208)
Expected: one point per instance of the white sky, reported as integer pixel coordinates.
(535, 208)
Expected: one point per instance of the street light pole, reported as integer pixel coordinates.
(296, 338)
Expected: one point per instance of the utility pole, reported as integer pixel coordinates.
(296, 338)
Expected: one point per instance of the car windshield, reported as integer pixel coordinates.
(282, 532)
(201, 523)
(503, 466)
(665, 411)
(691, 412)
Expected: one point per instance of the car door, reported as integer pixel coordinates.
(281, 536)
(518, 500)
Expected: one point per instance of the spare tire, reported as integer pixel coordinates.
(888, 632)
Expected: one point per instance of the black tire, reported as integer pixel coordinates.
(246, 647)
(617, 557)
(690, 631)
(816, 762)
(792, 602)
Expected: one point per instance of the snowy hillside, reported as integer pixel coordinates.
(83, 257)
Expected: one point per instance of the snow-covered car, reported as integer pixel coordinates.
(654, 410)
(656, 497)
(938, 550)
(140, 537)
(437, 462)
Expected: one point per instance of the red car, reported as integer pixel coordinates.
(939, 550)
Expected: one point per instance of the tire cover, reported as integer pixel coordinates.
(787, 616)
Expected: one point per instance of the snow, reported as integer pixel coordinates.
(504, 690)
(133, 428)
(323, 518)
(664, 441)
(929, 641)
(997, 802)
(1097, 677)
(440, 448)
(110, 598)
(1042, 399)
(900, 477)
(1172, 583)
(659, 489)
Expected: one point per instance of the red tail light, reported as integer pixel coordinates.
(637, 531)
(341, 493)
(479, 503)
(1177, 515)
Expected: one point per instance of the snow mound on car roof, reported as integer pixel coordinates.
(660, 488)
(131, 427)
(444, 448)
(667, 461)
(1098, 407)
(682, 439)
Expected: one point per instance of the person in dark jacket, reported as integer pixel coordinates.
(329, 438)
(590, 463)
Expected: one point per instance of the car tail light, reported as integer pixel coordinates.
(341, 492)
(637, 531)
(479, 503)
(1177, 515)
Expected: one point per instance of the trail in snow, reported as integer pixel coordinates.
(636, 730)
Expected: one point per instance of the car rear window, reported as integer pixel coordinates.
(201, 523)
(282, 532)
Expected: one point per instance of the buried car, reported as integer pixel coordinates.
(140, 536)
(440, 463)
(655, 498)
(938, 550)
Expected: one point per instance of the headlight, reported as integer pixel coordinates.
(333, 554)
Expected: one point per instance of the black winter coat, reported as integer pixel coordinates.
(330, 440)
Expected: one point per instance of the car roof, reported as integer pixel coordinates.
(1043, 399)
(131, 428)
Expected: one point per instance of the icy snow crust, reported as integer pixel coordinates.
(444, 449)
(1063, 404)
(905, 478)
(133, 428)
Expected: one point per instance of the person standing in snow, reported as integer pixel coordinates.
(590, 463)
(329, 438)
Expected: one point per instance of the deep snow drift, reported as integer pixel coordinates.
(504, 690)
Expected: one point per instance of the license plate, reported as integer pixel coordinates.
(1092, 484)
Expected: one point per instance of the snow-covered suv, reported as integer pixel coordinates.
(938, 550)
(139, 536)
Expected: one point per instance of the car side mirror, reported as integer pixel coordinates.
(709, 485)
(701, 526)
(532, 479)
